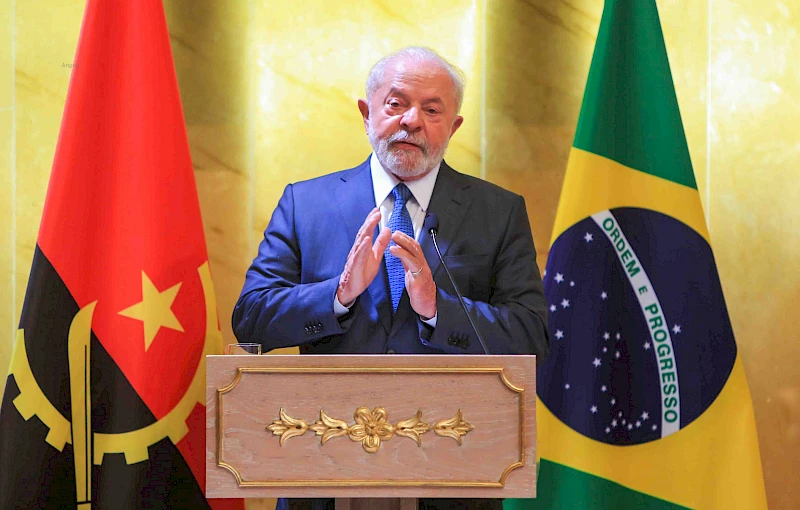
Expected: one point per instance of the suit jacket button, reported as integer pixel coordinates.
(390, 351)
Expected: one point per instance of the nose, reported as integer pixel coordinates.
(411, 120)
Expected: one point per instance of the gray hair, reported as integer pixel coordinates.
(416, 54)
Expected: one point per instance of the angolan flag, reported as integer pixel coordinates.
(643, 402)
(104, 401)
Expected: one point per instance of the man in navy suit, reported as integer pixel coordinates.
(347, 264)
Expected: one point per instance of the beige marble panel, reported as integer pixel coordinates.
(538, 56)
(7, 319)
(210, 49)
(754, 197)
(46, 39)
(209, 46)
(6, 49)
(7, 322)
(685, 27)
(311, 60)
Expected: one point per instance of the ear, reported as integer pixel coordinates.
(363, 107)
(456, 124)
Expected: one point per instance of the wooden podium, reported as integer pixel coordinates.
(381, 426)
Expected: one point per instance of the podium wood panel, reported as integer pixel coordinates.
(496, 395)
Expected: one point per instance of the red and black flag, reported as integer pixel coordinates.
(104, 401)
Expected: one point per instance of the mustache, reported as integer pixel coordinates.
(405, 136)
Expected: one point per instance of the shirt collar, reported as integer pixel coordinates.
(384, 182)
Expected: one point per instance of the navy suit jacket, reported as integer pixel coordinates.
(484, 235)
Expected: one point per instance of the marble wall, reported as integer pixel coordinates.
(269, 93)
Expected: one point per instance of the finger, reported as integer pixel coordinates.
(366, 228)
(361, 251)
(381, 242)
(410, 262)
(370, 221)
(406, 242)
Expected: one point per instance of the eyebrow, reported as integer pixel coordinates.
(402, 95)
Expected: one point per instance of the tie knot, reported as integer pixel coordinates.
(401, 194)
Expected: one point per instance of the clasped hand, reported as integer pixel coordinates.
(365, 258)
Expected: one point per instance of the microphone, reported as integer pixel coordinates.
(433, 228)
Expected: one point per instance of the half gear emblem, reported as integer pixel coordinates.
(134, 444)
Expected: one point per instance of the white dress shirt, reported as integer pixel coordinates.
(421, 190)
(417, 205)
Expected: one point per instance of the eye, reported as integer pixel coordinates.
(432, 111)
(394, 103)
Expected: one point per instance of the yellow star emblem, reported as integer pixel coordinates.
(154, 310)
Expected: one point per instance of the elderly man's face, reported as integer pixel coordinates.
(411, 117)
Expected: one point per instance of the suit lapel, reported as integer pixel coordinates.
(356, 198)
(450, 202)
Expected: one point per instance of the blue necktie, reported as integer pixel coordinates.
(399, 220)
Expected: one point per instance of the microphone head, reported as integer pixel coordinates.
(432, 222)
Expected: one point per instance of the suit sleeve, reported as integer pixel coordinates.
(275, 309)
(514, 320)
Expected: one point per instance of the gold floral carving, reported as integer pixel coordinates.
(287, 427)
(455, 427)
(328, 427)
(413, 428)
(371, 428)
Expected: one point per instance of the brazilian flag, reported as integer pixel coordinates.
(643, 403)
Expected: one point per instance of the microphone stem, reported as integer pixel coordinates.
(460, 297)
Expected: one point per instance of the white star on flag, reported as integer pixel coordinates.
(605, 349)
(654, 427)
(645, 415)
(593, 409)
(618, 336)
(559, 277)
(566, 386)
(676, 329)
(638, 424)
(596, 362)
(603, 388)
(588, 237)
(559, 334)
(606, 336)
(608, 430)
(613, 423)
(647, 346)
(553, 308)
(603, 295)
(571, 284)
(613, 401)
(616, 354)
(630, 426)
(565, 303)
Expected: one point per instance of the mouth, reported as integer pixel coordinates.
(407, 144)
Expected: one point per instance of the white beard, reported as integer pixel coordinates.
(405, 164)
